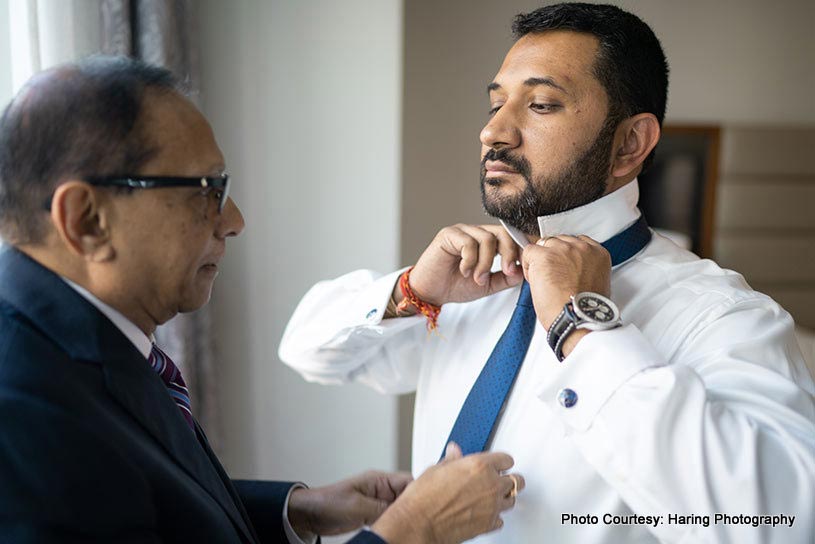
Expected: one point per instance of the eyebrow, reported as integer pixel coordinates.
(531, 82)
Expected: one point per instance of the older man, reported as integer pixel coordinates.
(113, 200)
(641, 390)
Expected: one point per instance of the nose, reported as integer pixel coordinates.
(231, 221)
(501, 130)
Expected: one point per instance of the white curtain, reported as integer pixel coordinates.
(44, 33)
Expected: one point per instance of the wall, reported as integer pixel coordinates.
(732, 61)
(765, 224)
(304, 98)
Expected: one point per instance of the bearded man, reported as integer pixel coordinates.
(639, 388)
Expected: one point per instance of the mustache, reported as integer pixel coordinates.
(517, 163)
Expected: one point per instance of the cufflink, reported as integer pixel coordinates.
(567, 398)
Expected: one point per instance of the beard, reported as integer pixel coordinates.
(581, 182)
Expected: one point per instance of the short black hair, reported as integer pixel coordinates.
(76, 120)
(630, 65)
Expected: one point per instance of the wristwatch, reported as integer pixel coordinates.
(584, 311)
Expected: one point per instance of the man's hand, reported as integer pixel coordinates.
(346, 505)
(561, 266)
(456, 500)
(456, 265)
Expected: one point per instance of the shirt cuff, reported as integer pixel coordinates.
(601, 362)
(368, 309)
(289, 530)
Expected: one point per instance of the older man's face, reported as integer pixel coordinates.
(546, 147)
(169, 241)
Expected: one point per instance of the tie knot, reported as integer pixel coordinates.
(164, 366)
(171, 376)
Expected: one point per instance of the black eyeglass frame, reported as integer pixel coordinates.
(155, 182)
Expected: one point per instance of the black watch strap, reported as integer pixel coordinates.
(563, 325)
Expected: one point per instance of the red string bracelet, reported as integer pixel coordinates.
(430, 311)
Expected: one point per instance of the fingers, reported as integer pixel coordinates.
(487, 244)
(590, 241)
(511, 485)
(498, 460)
(571, 247)
(467, 248)
(452, 452)
(477, 246)
(509, 250)
(398, 481)
(500, 281)
(498, 523)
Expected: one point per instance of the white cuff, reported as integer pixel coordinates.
(290, 533)
(600, 364)
(368, 310)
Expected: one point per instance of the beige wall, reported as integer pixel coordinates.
(732, 62)
(765, 220)
(304, 98)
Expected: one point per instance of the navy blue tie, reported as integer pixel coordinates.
(479, 414)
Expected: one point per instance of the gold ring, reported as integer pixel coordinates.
(514, 492)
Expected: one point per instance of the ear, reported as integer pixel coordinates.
(80, 221)
(640, 134)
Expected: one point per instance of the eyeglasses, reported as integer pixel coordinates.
(219, 184)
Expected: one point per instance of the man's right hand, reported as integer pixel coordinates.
(456, 500)
(456, 265)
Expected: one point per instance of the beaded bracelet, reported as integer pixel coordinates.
(430, 311)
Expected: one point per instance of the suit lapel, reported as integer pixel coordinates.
(227, 481)
(142, 393)
(86, 334)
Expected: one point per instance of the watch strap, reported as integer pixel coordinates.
(563, 325)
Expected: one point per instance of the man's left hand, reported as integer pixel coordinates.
(347, 505)
(561, 266)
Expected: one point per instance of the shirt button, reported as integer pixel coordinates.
(567, 398)
(371, 314)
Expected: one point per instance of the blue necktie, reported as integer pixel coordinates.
(479, 414)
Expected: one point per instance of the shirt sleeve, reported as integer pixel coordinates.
(287, 528)
(721, 427)
(337, 335)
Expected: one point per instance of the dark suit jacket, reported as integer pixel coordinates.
(92, 447)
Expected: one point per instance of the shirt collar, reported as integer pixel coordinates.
(599, 220)
(142, 342)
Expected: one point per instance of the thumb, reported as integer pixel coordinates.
(369, 509)
(452, 452)
(500, 281)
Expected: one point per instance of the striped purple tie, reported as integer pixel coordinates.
(171, 377)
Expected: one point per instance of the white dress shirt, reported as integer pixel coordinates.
(700, 404)
(144, 344)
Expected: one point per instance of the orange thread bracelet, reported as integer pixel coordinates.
(430, 311)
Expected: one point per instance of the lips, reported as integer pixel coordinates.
(498, 167)
(213, 261)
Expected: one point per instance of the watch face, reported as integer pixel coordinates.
(595, 308)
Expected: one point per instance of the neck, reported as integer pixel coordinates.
(105, 289)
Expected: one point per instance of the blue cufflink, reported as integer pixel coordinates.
(567, 398)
